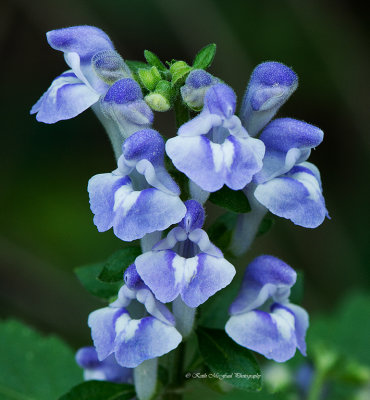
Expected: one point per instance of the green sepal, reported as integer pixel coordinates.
(99, 390)
(88, 277)
(117, 263)
(149, 77)
(224, 357)
(135, 66)
(161, 98)
(154, 60)
(205, 57)
(232, 200)
(179, 71)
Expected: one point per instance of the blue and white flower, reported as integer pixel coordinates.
(196, 85)
(105, 370)
(185, 263)
(78, 88)
(213, 148)
(287, 185)
(270, 86)
(133, 340)
(262, 318)
(140, 196)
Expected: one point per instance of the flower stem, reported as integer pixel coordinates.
(316, 386)
(176, 373)
(247, 224)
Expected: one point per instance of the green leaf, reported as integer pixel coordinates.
(32, 366)
(88, 276)
(223, 356)
(117, 263)
(205, 56)
(154, 60)
(232, 200)
(135, 65)
(100, 390)
(220, 231)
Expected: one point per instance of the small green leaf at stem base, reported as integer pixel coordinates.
(100, 390)
(232, 200)
(225, 357)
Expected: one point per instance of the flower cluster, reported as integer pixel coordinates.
(180, 266)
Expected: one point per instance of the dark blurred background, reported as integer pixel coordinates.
(46, 225)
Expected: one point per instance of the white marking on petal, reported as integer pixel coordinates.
(190, 269)
(184, 268)
(127, 325)
(178, 264)
(228, 153)
(310, 183)
(217, 156)
(125, 198)
(284, 321)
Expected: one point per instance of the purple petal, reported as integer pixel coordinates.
(296, 196)
(102, 189)
(194, 217)
(158, 272)
(194, 157)
(271, 335)
(220, 99)
(102, 324)
(196, 85)
(200, 125)
(106, 370)
(145, 339)
(270, 86)
(84, 40)
(86, 357)
(139, 213)
(266, 276)
(246, 155)
(67, 97)
(154, 307)
(212, 274)
(301, 325)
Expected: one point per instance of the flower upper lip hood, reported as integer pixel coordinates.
(213, 148)
(270, 86)
(84, 40)
(262, 318)
(288, 142)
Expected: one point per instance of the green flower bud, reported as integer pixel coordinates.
(149, 77)
(161, 99)
(179, 71)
